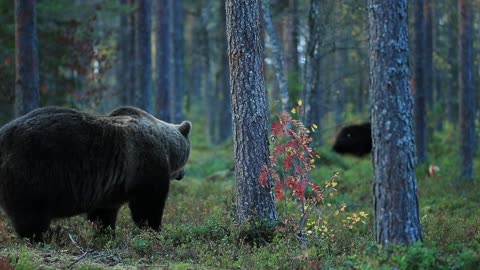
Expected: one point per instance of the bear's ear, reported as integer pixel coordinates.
(185, 128)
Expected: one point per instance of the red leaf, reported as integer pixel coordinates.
(288, 162)
(299, 190)
(277, 129)
(279, 191)
(317, 190)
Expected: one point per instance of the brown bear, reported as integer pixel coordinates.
(57, 162)
(355, 140)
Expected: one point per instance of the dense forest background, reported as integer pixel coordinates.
(89, 59)
(170, 58)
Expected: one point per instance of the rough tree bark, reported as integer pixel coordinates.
(249, 108)
(27, 78)
(394, 183)
(144, 54)
(467, 97)
(420, 112)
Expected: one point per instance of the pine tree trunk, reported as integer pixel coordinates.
(249, 108)
(394, 183)
(144, 54)
(277, 57)
(428, 71)
(420, 112)
(177, 93)
(467, 98)
(27, 78)
(164, 54)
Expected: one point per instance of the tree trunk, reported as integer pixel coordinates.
(452, 76)
(419, 86)
(249, 108)
(164, 53)
(144, 54)
(394, 183)
(27, 78)
(130, 75)
(177, 92)
(467, 98)
(428, 71)
(223, 82)
(290, 37)
(312, 87)
(277, 57)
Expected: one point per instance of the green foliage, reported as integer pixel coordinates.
(25, 261)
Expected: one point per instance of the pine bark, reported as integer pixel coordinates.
(249, 108)
(27, 78)
(467, 97)
(394, 183)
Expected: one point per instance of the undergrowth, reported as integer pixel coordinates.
(200, 232)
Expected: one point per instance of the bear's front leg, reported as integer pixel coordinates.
(147, 206)
(105, 217)
(31, 224)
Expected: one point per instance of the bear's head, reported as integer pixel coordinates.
(181, 151)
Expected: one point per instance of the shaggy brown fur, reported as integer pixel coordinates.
(57, 162)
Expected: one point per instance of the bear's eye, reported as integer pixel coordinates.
(349, 135)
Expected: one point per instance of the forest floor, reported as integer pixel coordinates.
(199, 229)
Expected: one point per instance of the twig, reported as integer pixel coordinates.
(78, 259)
(75, 244)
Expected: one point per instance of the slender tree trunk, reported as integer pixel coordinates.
(130, 75)
(312, 94)
(394, 183)
(223, 82)
(164, 62)
(439, 74)
(290, 37)
(27, 78)
(277, 57)
(144, 54)
(177, 93)
(209, 98)
(249, 108)
(452, 75)
(428, 71)
(467, 98)
(419, 83)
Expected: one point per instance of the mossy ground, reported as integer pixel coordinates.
(199, 229)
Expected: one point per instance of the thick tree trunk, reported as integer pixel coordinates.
(164, 62)
(467, 98)
(144, 54)
(27, 78)
(277, 57)
(420, 111)
(394, 183)
(249, 108)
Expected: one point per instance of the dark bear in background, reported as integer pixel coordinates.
(355, 140)
(57, 162)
